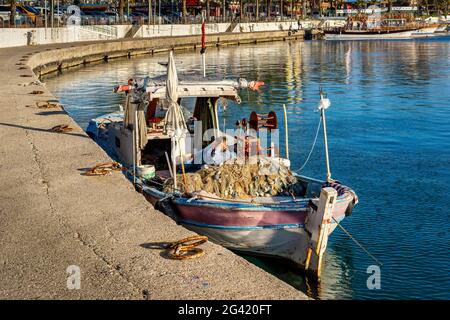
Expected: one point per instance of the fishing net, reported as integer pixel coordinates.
(233, 179)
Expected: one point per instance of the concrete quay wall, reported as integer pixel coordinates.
(61, 57)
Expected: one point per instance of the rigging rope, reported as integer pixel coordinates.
(312, 147)
(358, 243)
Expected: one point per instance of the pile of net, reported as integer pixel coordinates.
(233, 179)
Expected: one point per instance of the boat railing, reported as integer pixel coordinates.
(381, 28)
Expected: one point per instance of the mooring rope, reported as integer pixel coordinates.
(186, 248)
(358, 243)
(312, 147)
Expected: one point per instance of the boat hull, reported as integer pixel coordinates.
(369, 35)
(276, 227)
(261, 230)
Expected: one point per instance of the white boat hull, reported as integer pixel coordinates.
(370, 36)
(289, 243)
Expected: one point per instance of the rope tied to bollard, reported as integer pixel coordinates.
(61, 128)
(186, 248)
(102, 169)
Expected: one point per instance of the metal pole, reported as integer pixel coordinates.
(159, 12)
(203, 49)
(174, 162)
(286, 131)
(57, 9)
(257, 10)
(52, 7)
(134, 153)
(135, 127)
(292, 9)
(224, 13)
(325, 141)
(154, 13)
(46, 17)
(149, 11)
(169, 165)
(281, 9)
(204, 64)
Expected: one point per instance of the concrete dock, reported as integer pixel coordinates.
(52, 217)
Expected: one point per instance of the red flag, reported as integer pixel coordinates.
(203, 36)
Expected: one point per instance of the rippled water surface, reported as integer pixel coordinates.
(389, 139)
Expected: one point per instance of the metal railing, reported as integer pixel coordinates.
(61, 21)
(107, 30)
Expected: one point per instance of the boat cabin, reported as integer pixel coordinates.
(151, 145)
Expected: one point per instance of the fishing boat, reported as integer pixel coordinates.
(153, 138)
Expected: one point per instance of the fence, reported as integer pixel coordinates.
(22, 21)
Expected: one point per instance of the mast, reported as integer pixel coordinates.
(323, 105)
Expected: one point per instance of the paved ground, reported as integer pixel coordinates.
(52, 217)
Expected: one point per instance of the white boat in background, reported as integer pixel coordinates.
(373, 35)
(432, 31)
(365, 27)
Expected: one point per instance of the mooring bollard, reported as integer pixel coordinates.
(318, 225)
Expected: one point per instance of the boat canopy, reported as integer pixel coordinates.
(210, 89)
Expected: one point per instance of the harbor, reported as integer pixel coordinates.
(262, 160)
(357, 68)
(54, 217)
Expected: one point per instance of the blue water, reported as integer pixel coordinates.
(389, 139)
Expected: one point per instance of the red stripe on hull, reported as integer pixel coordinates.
(252, 218)
(226, 217)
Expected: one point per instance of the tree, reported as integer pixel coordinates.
(443, 6)
(12, 16)
(184, 11)
(360, 4)
(121, 5)
(241, 16)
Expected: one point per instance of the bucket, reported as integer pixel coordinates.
(146, 171)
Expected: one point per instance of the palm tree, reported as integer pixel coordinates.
(240, 11)
(443, 6)
(184, 11)
(12, 17)
(121, 5)
(292, 8)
